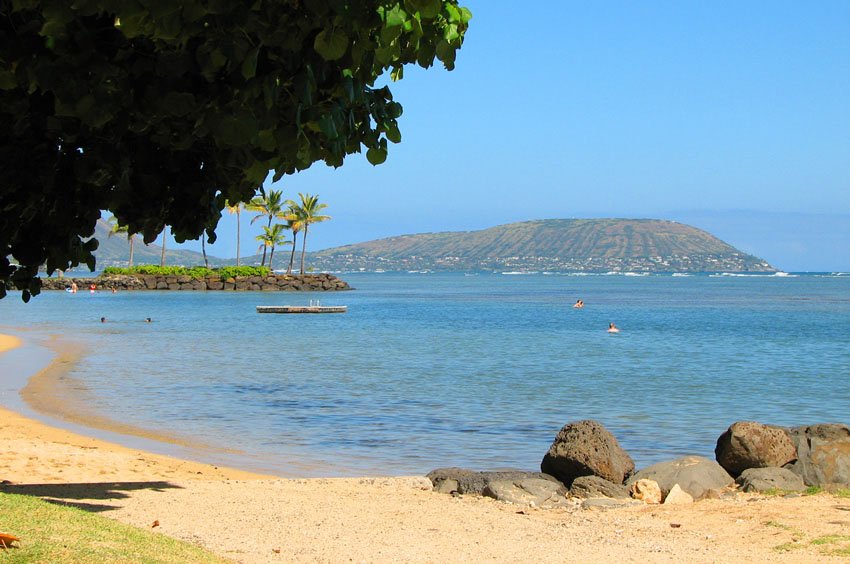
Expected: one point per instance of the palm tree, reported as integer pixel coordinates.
(162, 256)
(267, 205)
(272, 237)
(204, 250)
(307, 213)
(294, 223)
(117, 228)
(237, 209)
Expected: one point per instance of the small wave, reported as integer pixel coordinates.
(751, 275)
(680, 274)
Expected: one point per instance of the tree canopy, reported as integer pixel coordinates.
(160, 111)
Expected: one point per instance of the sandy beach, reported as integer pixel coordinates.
(254, 518)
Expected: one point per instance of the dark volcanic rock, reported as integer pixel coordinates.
(594, 486)
(747, 444)
(764, 479)
(586, 448)
(823, 454)
(445, 480)
(696, 475)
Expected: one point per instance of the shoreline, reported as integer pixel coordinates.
(51, 398)
(251, 517)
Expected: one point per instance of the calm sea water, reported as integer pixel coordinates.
(429, 370)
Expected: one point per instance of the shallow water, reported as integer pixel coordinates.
(429, 370)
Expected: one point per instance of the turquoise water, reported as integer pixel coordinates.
(429, 370)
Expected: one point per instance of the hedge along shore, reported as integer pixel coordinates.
(269, 283)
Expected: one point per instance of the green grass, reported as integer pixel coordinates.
(53, 533)
(813, 490)
(788, 546)
(842, 492)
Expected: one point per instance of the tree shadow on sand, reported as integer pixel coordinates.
(71, 495)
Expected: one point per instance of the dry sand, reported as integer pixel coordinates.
(253, 518)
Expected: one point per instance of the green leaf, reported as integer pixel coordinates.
(396, 17)
(249, 65)
(426, 8)
(393, 134)
(376, 156)
(331, 46)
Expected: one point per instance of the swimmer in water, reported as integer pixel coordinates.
(148, 319)
(103, 320)
(612, 328)
(579, 304)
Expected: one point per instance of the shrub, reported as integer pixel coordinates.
(196, 272)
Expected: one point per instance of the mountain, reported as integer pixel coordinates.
(565, 245)
(115, 251)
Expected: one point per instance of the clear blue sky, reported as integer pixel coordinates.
(731, 116)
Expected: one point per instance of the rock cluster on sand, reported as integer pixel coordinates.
(696, 475)
(270, 283)
(586, 462)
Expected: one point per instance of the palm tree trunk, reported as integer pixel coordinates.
(132, 241)
(162, 256)
(303, 249)
(204, 251)
(237, 236)
(292, 254)
(271, 256)
(263, 263)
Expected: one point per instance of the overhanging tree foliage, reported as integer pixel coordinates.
(160, 111)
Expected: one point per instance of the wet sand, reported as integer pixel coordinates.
(255, 518)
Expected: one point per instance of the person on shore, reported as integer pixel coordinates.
(612, 328)
(579, 304)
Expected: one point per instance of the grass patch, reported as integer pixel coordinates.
(787, 546)
(827, 542)
(831, 539)
(842, 492)
(774, 492)
(779, 525)
(813, 490)
(53, 533)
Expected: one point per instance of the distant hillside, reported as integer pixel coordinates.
(115, 251)
(593, 245)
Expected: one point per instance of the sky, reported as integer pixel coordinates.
(733, 117)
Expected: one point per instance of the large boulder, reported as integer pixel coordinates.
(764, 479)
(696, 475)
(534, 492)
(586, 448)
(747, 444)
(823, 454)
(593, 486)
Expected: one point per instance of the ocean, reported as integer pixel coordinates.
(429, 370)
